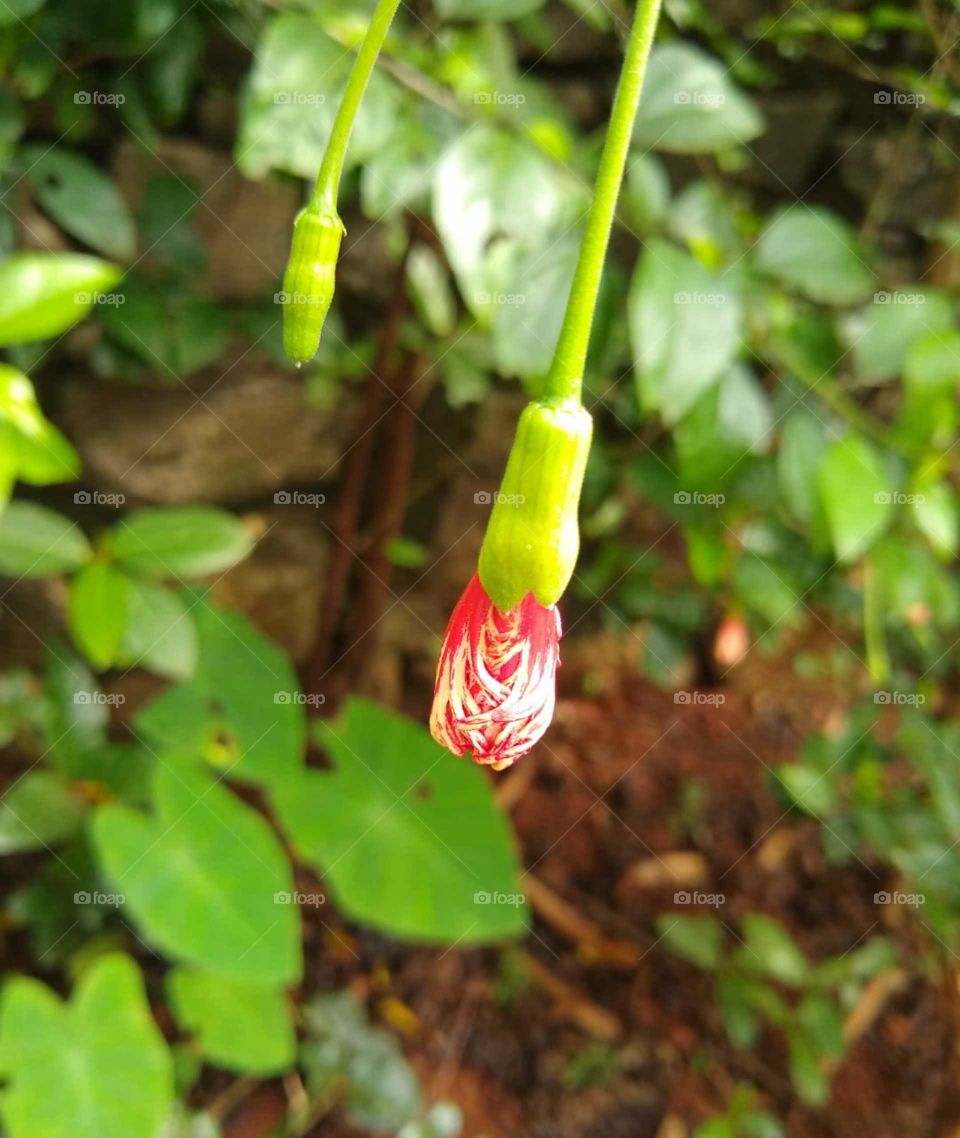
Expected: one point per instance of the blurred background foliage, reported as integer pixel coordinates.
(773, 486)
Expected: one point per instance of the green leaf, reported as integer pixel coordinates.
(822, 1024)
(423, 851)
(806, 1072)
(43, 294)
(36, 542)
(490, 185)
(39, 453)
(430, 290)
(292, 96)
(239, 1026)
(698, 940)
(812, 790)
(685, 327)
(78, 719)
(731, 421)
(160, 633)
(528, 309)
(886, 329)
(935, 512)
(94, 1068)
(646, 192)
(771, 949)
(690, 106)
(931, 374)
(856, 494)
(179, 541)
(816, 252)
(81, 199)
(97, 613)
(38, 811)
(12, 11)
(802, 443)
(740, 1018)
(202, 876)
(702, 218)
(171, 329)
(487, 9)
(242, 710)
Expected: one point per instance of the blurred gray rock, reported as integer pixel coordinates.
(248, 435)
(245, 226)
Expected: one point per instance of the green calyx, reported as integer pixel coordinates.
(532, 538)
(308, 282)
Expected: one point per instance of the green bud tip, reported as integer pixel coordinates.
(532, 539)
(308, 282)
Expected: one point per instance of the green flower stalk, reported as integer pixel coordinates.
(308, 283)
(495, 687)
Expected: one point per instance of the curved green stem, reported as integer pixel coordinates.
(566, 373)
(328, 179)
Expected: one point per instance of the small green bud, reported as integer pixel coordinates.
(308, 282)
(532, 539)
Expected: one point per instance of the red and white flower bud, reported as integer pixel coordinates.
(496, 677)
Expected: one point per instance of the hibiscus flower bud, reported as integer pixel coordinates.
(496, 678)
(308, 282)
(533, 538)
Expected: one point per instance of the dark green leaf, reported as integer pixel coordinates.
(242, 711)
(38, 811)
(771, 949)
(423, 852)
(81, 199)
(204, 876)
(696, 939)
(179, 541)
